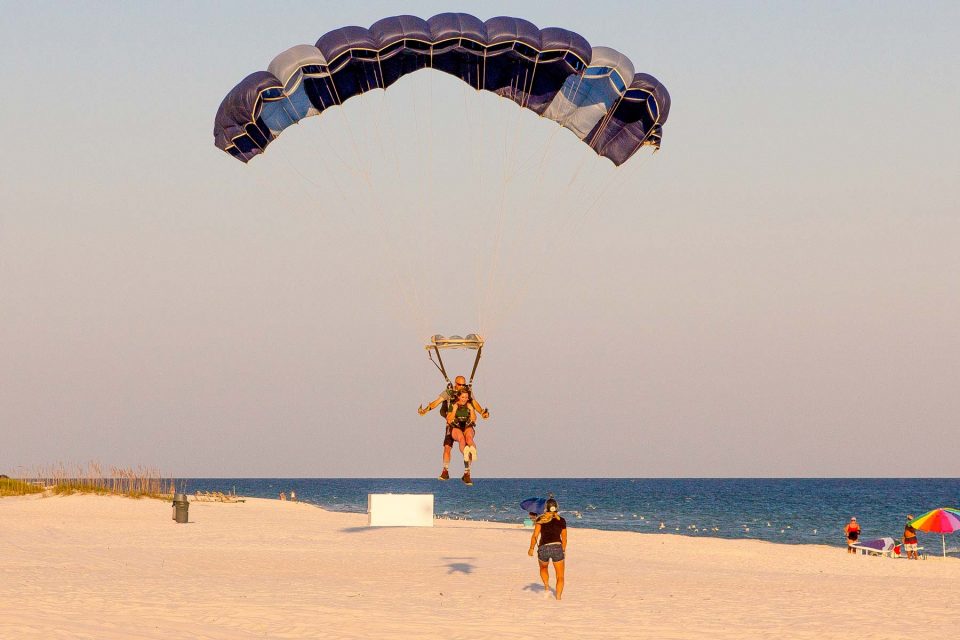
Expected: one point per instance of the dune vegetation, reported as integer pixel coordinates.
(61, 479)
(15, 487)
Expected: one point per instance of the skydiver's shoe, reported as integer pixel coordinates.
(444, 475)
(466, 479)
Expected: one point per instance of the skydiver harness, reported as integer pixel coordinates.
(451, 399)
(462, 417)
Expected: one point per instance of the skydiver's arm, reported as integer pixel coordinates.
(483, 412)
(433, 405)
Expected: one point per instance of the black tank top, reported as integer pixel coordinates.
(550, 532)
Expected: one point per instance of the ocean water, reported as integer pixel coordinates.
(792, 511)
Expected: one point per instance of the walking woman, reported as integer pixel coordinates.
(551, 530)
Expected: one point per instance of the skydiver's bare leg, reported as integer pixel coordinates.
(458, 436)
(471, 446)
(447, 448)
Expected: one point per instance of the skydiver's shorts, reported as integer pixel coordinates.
(448, 436)
(552, 551)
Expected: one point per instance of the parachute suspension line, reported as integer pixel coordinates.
(606, 120)
(404, 268)
(529, 89)
(577, 224)
(432, 199)
(483, 77)
(421, 218)
(347, 202)
(507, 147)
(536, 178)
(522, 281)
(290, 114)
(346, 121)
(546, 148)
(549, 237)
(410, 290)
(481, 145)
(332, 88)
(565, 240)
(332, 175)
(406, 290)
(283, 194)
(562, 197)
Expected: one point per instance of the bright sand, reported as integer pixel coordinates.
(109, 567)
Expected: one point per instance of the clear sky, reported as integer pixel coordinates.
(775, 293)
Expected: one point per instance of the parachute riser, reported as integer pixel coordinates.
(440, 366)
(476, 362)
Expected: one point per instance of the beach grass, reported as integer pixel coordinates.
(15, 487)
(95, 478)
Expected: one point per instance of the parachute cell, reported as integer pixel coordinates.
(635, 121)
(585, 99)
(553, 72)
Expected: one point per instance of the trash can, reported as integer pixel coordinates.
(180, 507)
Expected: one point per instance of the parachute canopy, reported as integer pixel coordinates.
(592, 91)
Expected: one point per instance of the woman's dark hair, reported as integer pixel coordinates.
(551, 502)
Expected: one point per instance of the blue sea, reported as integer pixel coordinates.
(791, 511)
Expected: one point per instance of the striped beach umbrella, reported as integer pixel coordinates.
(943, 521)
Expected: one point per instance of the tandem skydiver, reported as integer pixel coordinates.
(445, 401)
(461, 424)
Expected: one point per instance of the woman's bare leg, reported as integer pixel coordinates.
(545, 576)
(558, 567)
(457, 435)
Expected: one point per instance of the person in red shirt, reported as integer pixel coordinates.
(853, 534)
(551, 529)
(910, 540)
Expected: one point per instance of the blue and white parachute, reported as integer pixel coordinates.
(592, 91)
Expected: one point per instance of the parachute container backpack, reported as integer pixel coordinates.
(541, 128)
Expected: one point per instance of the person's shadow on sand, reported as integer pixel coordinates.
(460, 567)
(536, 587)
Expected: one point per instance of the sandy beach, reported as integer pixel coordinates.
(111, 567)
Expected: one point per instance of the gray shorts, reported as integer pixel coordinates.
(550, 552)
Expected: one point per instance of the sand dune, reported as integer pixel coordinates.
(109, 567)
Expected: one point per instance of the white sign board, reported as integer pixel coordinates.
(400, 509)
